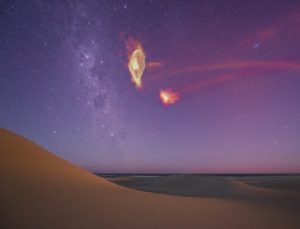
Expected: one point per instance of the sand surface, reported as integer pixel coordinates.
(40, 190)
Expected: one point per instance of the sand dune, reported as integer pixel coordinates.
(191, 185)
(217, 187)
(223, 186)
(280, 182)
(40, 190)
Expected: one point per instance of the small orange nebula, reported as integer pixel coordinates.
(154, 64)
(136, 63)
(168, 96)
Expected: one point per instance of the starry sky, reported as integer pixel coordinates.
(234, 65)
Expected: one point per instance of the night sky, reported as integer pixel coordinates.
(233, 65)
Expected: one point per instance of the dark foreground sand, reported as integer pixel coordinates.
(40, 190)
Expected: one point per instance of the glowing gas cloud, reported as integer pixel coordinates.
(154, 64)
(168, 96)
(245, 69)
(263, 65)
(216, 80)
(136, 62)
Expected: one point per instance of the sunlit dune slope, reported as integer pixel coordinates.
(40, 190)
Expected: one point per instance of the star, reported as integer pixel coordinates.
(256, 45)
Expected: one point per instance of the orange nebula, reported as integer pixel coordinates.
(168, 96)
(263, 65)
(211, 82)
(154, 64)
(137, 62)
(246, 66)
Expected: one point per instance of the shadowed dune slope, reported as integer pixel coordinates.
(191, 185)
(40, 190)
(213, 186)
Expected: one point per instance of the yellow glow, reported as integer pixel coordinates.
(168, 97)
(137, 64)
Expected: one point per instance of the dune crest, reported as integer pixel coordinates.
(40, 190)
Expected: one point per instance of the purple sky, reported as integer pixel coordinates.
(65, 85)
